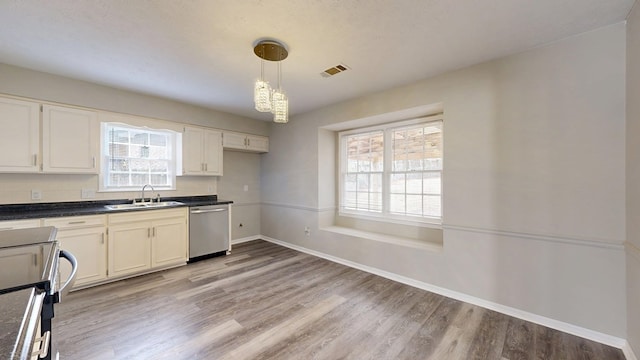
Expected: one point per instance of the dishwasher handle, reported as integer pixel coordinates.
(198, 211)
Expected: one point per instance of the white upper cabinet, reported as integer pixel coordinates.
(70, 140)
(19, 135)
(201, 152)
(245, 142)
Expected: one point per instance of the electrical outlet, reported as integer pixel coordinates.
(246, 188)
(210, 188)
(36, 195)
(88, 193)
(307, 231)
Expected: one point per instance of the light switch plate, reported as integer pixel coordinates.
(246, 188)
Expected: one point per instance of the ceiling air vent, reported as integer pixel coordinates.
(334, 70)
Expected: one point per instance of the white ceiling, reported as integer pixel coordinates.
(201, 51)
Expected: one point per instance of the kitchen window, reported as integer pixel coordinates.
(393, 172)
(135, 156)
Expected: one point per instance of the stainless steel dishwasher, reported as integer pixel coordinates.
(208, 231)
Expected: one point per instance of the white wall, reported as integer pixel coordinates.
(534, 174)
(633, 178)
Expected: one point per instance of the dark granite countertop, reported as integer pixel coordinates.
(18, 323)
(77, 208)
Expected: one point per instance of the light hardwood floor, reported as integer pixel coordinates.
(265, 301)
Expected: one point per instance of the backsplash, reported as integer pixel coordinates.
(16, 188)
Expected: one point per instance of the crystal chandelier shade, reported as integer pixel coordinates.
(262, 96)
(279, 107)
(266, 99)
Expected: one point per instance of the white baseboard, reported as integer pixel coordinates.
(246, 239)
(628, 351)
(520, 314)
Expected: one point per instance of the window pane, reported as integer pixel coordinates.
(409, 186)
(140, 138)
(397, 203)
(398, 183)
(349, 200)
(137, 157)
(158, 140)
(432, 205)
(350, 182)
(414, 205)
(414, 183)
(159, 179)
(432, 183)
(363, 182)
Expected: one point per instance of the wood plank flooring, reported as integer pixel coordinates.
(265, 301)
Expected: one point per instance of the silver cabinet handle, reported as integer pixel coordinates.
(102, 240)
(148, 232)
(76, 222)
(94, 162)
(35, 159)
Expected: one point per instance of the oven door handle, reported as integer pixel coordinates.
(64, 289)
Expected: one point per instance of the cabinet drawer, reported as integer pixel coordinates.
(19, 224)
(147, 215)
(75, 222)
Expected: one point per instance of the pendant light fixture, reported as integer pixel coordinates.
(266, 99)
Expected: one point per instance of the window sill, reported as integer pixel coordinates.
(389, 239)
(432, 224)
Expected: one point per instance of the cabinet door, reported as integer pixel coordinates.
(169, 244)
(19, 136)
(233, 140)
(192, 145)
(257, 143)
(213, 153)
(129, 248)
(90, 249)
(70, 140)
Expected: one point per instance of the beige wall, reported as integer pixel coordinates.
(240, 170)
(633, 178)
(534, 174)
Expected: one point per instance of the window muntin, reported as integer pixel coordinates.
(134, 157)
(407, 186)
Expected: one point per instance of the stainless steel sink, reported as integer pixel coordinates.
(142, 206)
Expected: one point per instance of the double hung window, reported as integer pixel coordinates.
(134, 156)
(393, 171)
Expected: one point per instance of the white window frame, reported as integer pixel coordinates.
(173, 145)
(385, 215)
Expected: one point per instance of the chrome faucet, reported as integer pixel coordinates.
(144, 187)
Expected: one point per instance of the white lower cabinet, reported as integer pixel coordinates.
(148, 239)
(85, 238)
(169, 242)
(129, 246)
